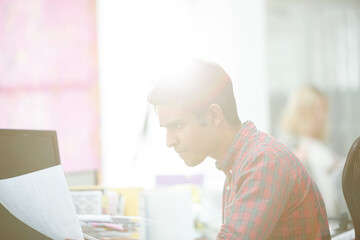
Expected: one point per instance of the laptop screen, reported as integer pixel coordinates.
(22, 152)
(26, 151)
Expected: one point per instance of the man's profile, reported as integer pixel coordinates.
(267, 193)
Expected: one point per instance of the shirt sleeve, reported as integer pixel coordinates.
(253, 208)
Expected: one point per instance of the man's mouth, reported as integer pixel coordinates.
(181, 153)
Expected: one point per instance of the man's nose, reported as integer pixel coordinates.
(171, 139)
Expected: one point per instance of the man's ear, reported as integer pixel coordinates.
(215, 114)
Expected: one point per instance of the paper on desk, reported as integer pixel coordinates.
(42, 200)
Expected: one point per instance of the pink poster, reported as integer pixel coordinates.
(49, 75)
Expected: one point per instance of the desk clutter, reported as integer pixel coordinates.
(108, 213)
(177, 212)
(106, 226)
(101, 201)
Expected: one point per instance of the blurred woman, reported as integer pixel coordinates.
(304, 128)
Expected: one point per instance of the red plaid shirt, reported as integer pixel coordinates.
(267, 193)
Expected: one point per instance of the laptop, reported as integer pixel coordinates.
(22, 152)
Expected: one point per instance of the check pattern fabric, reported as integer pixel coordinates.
(268, 194)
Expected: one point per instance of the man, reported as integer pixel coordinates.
(267, 192)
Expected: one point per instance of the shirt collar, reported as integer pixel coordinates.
(226, 163)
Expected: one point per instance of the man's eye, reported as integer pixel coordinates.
(178, 126)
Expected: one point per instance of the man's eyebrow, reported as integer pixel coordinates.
(171, 123)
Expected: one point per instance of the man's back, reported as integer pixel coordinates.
(268, 194)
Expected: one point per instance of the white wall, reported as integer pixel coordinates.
(135, 39)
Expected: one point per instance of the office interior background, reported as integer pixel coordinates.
(84, 68)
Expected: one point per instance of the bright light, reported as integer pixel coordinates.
(140, 40)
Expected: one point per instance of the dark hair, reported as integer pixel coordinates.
(196, 86)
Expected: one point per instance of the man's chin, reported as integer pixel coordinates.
(192, 162)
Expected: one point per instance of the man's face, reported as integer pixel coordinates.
(185, 134)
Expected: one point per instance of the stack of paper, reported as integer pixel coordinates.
(106, 226)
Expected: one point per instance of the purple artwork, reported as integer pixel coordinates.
(169, 180)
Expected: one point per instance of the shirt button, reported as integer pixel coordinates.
(228, 188)
(230, 171)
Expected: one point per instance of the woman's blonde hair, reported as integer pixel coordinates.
(302, 110)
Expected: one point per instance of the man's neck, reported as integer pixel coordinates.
(226, 138)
